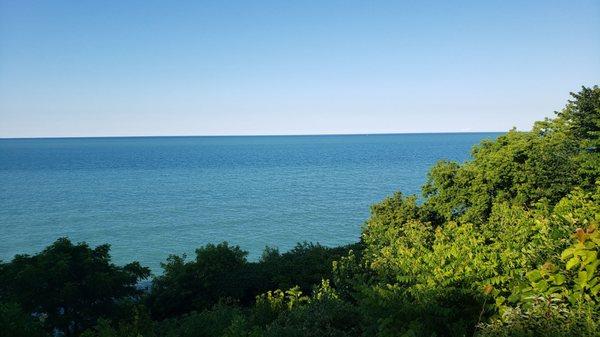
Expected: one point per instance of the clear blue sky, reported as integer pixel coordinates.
(101, 68)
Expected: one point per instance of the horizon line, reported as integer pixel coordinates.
(252, 135)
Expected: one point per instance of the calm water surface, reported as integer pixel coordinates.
(151, 197)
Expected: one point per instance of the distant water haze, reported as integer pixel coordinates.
(154, 196)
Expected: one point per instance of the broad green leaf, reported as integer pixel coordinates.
(534, 276)
(572, 263)
(559, 279)
(567, 253)
(595, 290)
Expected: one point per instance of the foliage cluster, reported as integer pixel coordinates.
(69, 288)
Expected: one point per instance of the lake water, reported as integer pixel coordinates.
(154, 196)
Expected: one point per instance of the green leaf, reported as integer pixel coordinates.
(542, 286)
(534, 276)
(572, 263)
(566, 253)
(559, 279)
(595, 290)
(583, 278)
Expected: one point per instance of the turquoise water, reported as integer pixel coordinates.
(153, 196)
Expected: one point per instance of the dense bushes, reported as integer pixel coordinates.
(217, 272)
(542, 320)
(69, 286)
(14, 322)
(475, 248)
(506, 244)
(221, 272)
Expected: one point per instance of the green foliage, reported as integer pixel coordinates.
(351, 274)
(575, 281)
(519, 167)
(582, 113)
(476, 242)
(583, 118)
(139, 325)
(290, 313)
(212, 322)
(216, 273)
(222, 272)
(544, 319)
(281, 300)
(71, 285)
(304, 266)
(522, 167)
(318, 318)
(16, 323)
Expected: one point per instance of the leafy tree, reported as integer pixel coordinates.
(583, 117)
(583, 114)
(519, 167)
(16, 323)
(221, 272)
(216, 273)
(303, 266)
(70, 285)
(482, 230)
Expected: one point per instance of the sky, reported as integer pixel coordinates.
(135, 68)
